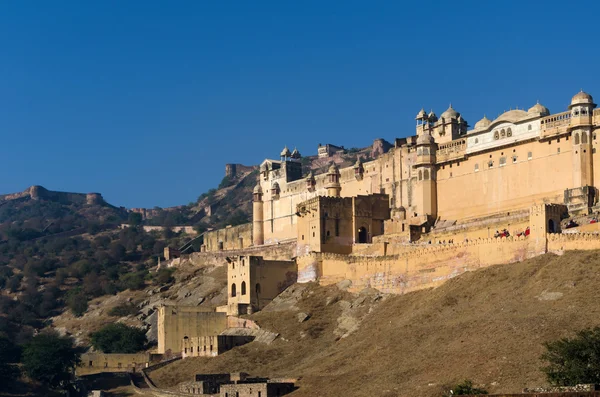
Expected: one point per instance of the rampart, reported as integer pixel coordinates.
(430, 265)
(92, 363)
(229, 238)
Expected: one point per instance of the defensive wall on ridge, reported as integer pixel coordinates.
(424, 267)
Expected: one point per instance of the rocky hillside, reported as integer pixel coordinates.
(487, 326)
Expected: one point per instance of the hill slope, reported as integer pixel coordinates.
(487, 326)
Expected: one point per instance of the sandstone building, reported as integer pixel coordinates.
(448, 173)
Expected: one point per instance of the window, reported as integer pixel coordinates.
(328, 233)
(243, 288)
(514, 158)
(91, 363)
(496, 135)
(257, 289)
(576, 138)
(509, 132)
(558, 150)
(233, 291)
(420, 175)
(476, 167)
(490, 164)
(503, 133)
(529, 127)
(118, 365)
(476, 140)
(502, 161)
(529, 155)
(426, 175)
(105, 365)
(584, 137)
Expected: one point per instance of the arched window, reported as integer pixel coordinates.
(243, 288)
(529, 127)
(577, 138)
(476, 167)
(362, 235)
(584, 137)
(476, 140)
(426, 175)
(420, 175)
(508, 132)
(233, 291)
(496, 135)
(502, 133)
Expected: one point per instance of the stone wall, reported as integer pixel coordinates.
(282, 251)
(101, 362)
(229, 238)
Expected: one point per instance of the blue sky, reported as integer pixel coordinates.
(146, 101)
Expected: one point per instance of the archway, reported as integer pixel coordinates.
(243, 288)
(362, 235)
(550, 226)
(233, 291)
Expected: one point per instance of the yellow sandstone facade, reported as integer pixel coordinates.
(448, 174)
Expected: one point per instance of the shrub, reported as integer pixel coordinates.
(125, 309)
(572, 361)
(464, 388)
(119, 338)
(77, 302)
(164, 276)
(133, 281)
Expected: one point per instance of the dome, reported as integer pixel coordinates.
(450, 113)
(483, 123)
(333, 169)
(432, 117)
(424, 139)
(285, 152)
(582, 98)
(512, 115)
(421, 115)
(296, 154)
(538, 109)
(258, 189)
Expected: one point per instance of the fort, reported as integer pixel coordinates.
(431, 205)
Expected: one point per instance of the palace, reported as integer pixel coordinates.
(444, 175)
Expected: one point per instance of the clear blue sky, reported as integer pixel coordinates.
(146, 101)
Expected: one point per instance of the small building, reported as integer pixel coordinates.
(253, 282)
(335, 224)
(211, 346)
(328, 150)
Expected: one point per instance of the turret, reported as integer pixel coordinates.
(582, 108)
(333, 181)
(258, 233)
(451, 125)
(426, 186)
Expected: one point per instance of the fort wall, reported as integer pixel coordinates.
(229, 238)
(92, 363)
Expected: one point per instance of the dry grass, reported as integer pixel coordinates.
(487, 326)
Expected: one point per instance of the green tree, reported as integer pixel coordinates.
(164, 276)
(463, 389)
(134, 219)
(133, 281)
(50, 359)
(77, 302)
(119, 338)
(572, 361)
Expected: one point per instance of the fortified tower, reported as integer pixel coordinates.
(333, 181)
(258, 231)
(582, 108)
(424, 166)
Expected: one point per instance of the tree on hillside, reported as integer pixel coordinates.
(10, 354)
(119, 338)
(50, 359)
(573, 361)
(77, 302)
(134, 219)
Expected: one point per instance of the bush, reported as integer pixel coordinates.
(77, 302)
(133, 281)
(164, 276)
(573, 361)
(125, 309)
(464, 388)
(119, 338)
